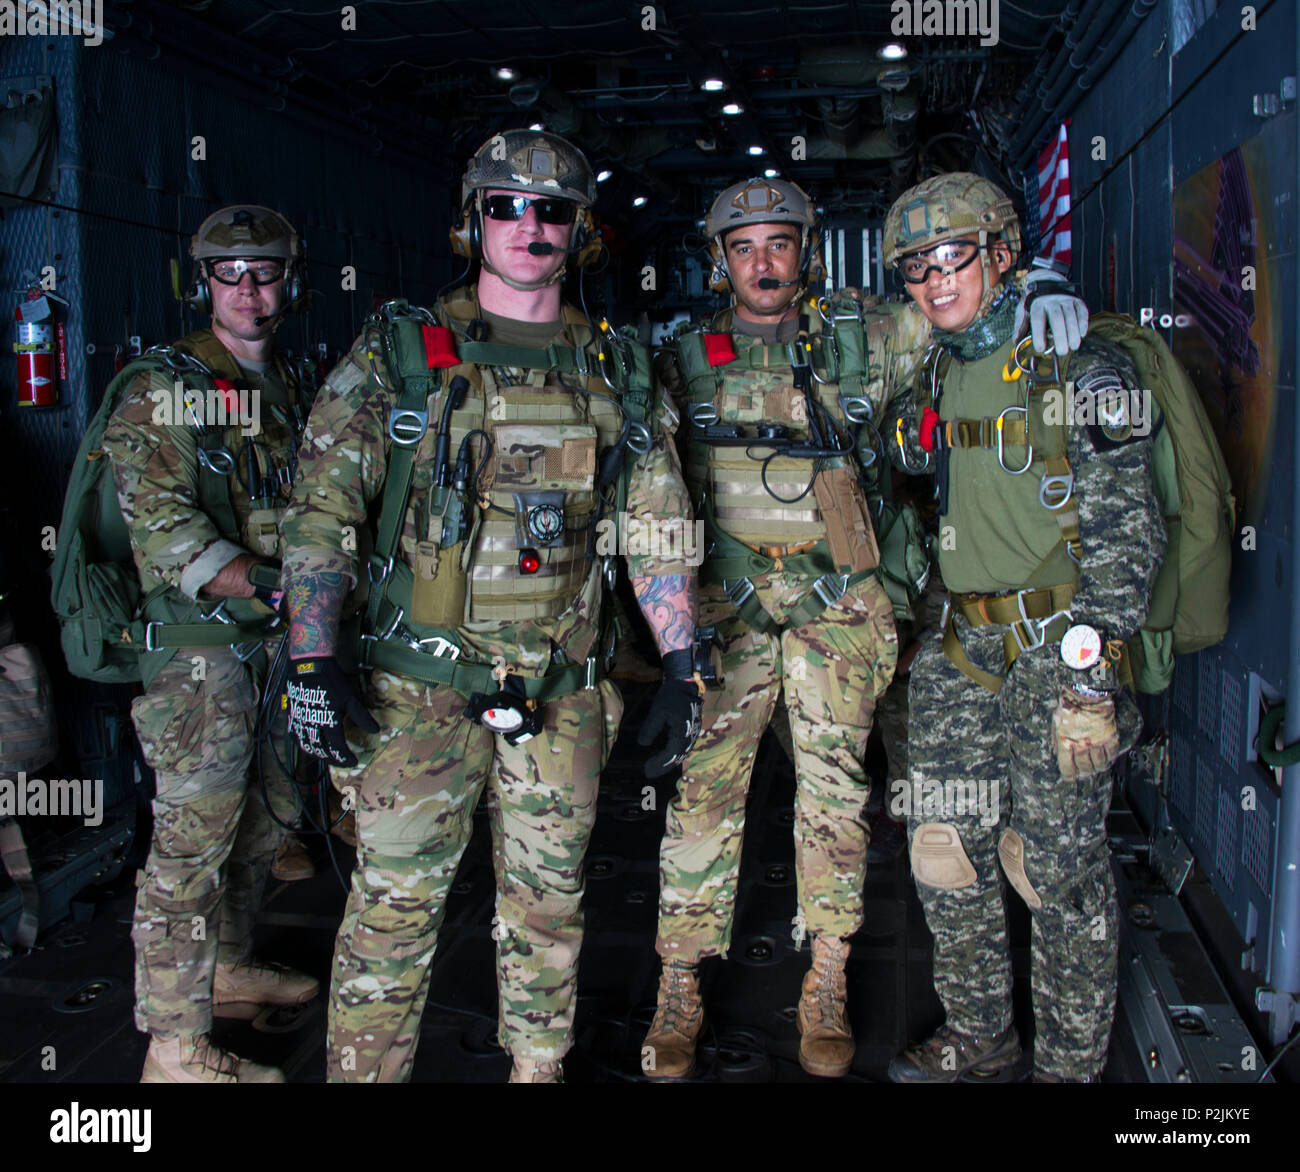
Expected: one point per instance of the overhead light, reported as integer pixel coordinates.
(639, 202)
(891, 52)
(770, 173)
(505, 73)
(756, 150)
(600, 178)
(537, 126)
(713, 84)
(733, 108)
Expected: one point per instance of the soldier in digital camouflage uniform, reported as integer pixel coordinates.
(517, 586)
(1049, 560)
(203, 452)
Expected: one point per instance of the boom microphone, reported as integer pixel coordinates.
(261, 321)
(768, 282)
(545, 248)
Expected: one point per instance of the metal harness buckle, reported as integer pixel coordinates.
(149, 644)
(739, 590)
(1053, 483)
(830, 588)
(638, 438)
(407, 427)
(444, 647)
(856, 408)
(703, 414)
(1037, 626)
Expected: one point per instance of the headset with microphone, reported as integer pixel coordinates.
(467, 236)
(247, 231)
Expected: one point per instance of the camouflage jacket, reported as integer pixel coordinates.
(153, 439)
(344, 461)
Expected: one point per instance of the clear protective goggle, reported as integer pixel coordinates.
(231, 271)
(949, 257)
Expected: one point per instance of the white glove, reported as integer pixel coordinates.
(1063, 311)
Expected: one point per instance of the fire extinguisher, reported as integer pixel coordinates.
(42, 351)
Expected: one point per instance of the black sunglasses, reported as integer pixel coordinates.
(515, 207)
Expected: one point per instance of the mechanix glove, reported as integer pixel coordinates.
(676, 709)
(1084, 734)
(1050, 300)
(320, 697)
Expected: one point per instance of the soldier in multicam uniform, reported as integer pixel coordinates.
(792, 588)
(201, 497)
(792, 593)
(515, 586)
(1049, 555)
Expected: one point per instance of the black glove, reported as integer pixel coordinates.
(319, 699)
(676, 710)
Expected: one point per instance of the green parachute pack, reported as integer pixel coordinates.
(1189, 601)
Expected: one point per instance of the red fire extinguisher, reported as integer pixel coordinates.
(42, 350)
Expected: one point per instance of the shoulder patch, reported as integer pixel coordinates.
(344, 377)
(1113, 412)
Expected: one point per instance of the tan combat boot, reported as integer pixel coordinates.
(526, 1070)
(292, 862)
(198, 1060)
(826, 1046)
(237, 988)
(679, 1017)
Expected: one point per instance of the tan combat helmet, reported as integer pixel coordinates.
(763, 201)
(246, 230)
(536, 163)
(959, 205)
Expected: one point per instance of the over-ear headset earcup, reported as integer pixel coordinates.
(199, 297)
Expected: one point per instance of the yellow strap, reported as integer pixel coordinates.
(957, 656)
(1004, 609)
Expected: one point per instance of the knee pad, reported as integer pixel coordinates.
(938, 858)
(1011, 850)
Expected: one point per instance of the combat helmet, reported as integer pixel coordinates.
(763, 201)
(536, 163)
(246, 230)
(946, 207)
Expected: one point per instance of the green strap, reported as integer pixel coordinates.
(211, 634)
(467, 678)
(555, 357)
(1267, 737)
(214, 488)
(407, 360)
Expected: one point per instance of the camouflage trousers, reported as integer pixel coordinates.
(213, 840)
(832, 669)
(985, 764)
(891, 711)
(417, 784)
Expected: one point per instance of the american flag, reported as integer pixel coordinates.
(1052, 179)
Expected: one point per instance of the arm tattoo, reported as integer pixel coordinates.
(315, 601)
(670, 603)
